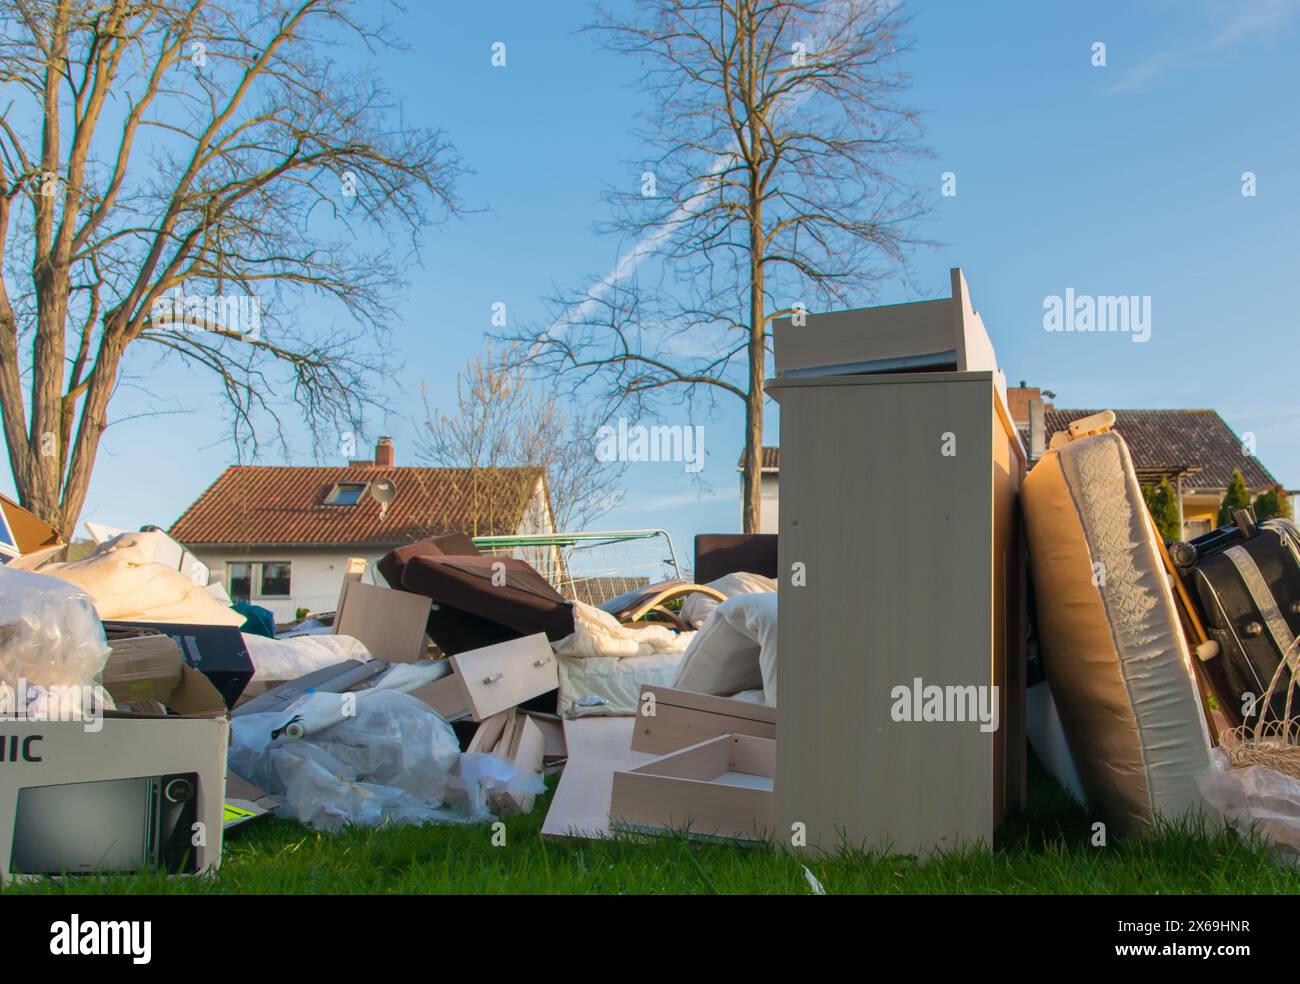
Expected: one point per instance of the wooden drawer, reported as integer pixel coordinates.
(507, 674)
(669, 719)
(719, 788)
(490, 680)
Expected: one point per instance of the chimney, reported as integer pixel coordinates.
(384, 453)
(1018, 399)
(1037, 430)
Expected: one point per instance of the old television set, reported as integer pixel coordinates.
(107, 826)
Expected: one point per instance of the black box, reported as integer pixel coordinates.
(216, 651)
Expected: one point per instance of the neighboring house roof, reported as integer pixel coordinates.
(1162, 439)
(277, 506)
(1179, 438)
(771, 460)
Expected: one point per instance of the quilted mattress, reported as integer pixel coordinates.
(1113, 648)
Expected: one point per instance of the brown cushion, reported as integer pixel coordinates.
(470, 611)
(451, 545)
(719, 554)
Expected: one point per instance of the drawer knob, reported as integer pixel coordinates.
(493, 678)
(543, 661)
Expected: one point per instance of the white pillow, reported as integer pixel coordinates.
(735, 650)
(698, 607)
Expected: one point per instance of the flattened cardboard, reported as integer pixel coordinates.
(390, 624)
(682, 718)
(30, 532)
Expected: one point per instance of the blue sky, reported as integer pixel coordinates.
(1124, 179)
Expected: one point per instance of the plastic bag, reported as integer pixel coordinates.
(50, 636)
(393, 761)
(1258, 799)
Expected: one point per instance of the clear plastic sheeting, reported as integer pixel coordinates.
(1256, 799)
(50, 637)
(394, 761)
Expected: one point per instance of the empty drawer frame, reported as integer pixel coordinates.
(515, 737)
(487, 681)
(719, 788)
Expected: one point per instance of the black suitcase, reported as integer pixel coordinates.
(1245, 580)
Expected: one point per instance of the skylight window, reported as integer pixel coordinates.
(345, 494)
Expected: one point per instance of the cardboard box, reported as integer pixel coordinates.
(218, 651)
(142, 667)
(139, 792)
(22, 531)
(720, 788)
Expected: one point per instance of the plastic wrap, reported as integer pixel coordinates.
(50, 636)
(394, 761)
(1256, 799)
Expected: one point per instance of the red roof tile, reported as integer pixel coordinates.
(266, 505)
(1180, 439)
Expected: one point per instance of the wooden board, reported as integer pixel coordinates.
(895, 590)
(598, 746)
(682, 718)
(390, 624)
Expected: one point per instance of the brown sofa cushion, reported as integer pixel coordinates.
(451, 545)
(470, 611)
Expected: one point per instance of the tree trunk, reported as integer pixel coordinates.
(753, 460)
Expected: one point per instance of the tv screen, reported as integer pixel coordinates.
(85, 827)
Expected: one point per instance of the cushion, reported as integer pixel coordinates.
(1112, 646)
(470, 611)
(394, 562)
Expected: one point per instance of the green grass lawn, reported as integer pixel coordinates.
(1046, 849)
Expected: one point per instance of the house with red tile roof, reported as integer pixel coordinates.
(280, 537)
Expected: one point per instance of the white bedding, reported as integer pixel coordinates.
(278, 660)
(603, 664)
(697, 608)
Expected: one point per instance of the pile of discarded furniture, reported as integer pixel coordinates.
(899, 632)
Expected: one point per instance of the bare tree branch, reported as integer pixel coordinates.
(166, 164)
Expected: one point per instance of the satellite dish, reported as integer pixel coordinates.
(383, 491)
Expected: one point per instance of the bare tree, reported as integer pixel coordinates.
(773, 186)
(185, 174)
(502, 420)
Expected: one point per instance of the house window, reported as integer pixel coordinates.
(240, 581)
(345, 494)
(275, 579)
(1195, 527)
(270, 578)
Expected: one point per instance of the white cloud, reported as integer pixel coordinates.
(1257, 20)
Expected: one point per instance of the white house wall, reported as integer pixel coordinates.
(314, 578)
